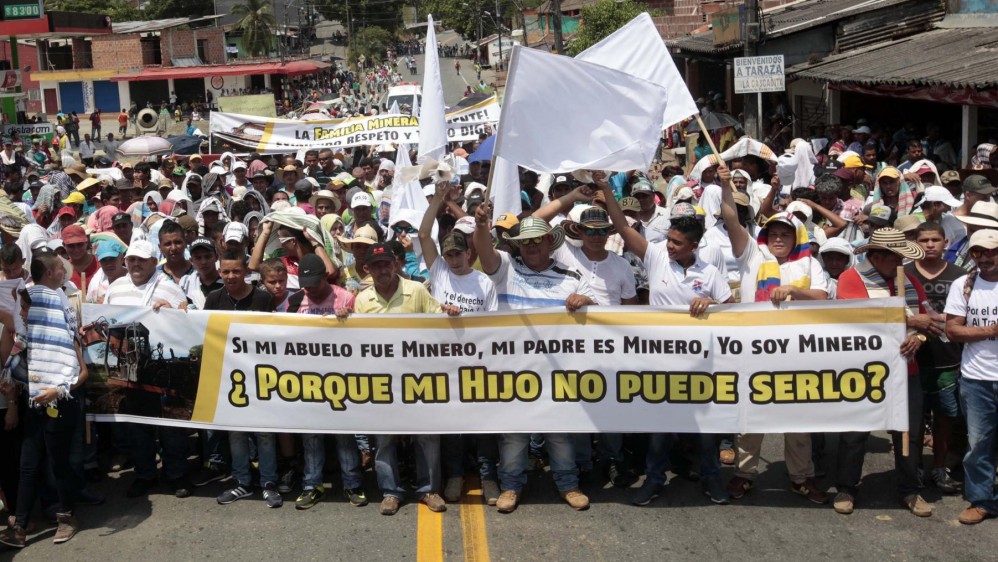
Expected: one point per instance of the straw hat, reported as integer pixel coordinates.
(533, 227)
(983, 213)
(365, 235)
(892, 240)
(325, 194)
(593, 217)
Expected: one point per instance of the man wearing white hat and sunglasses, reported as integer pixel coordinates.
(532, 280)
(937, 204)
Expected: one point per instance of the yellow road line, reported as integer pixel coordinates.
(429, 535)
(476, 541)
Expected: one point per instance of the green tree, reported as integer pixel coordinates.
(464, 16)
(172, 8)
(363, 13)
(117, 9)
(372, 42)
(257, 24)
(602, 19)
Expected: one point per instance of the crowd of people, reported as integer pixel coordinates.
(273, 234)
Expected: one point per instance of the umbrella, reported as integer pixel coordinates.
(713, 121)
(484, 152)
(146, 145)
(183, 144)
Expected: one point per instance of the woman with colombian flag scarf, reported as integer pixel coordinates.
(777, 268)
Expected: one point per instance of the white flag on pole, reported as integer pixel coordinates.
(432, 113)
(408, 202)
(638, 49)
(505, 190)
(562, 114)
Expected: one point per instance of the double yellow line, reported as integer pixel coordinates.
(430, 528)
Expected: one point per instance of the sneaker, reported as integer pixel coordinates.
(286, 481)
(234, 494)
(843, 503)
(207, 475)
(727, 456)
(970, 516)
(272, 496)
(356, 496)
(390, 505)
(916, 505)
(809, 489)
(140, 487)
(120, 462)
(576, 499)
(646, 493)
(944, 482)
(507, 501)
(715, 490)
(182, 487)
(738, 487)
(310, 497)
(452, 489)
(490, 489)
(66, 529)
(621, 475)
(434, 502)
(16, 537)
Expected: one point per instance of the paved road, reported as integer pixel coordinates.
(771, 522)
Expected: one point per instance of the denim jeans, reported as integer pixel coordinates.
(852, 450)
(266, 447)
(363, 442)
(172, 441)
(214, 448)
(582, 443)
(513, 457)
(611, 447)
(657, 458)
(48, 440)
(452, 455)
(979, 401)
(314, 453)
(488, 456)
(710, 461)
(427, 465)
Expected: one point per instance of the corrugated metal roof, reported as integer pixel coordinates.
(790, 18)
(948, 57)
(155, 25)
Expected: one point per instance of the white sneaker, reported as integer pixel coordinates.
(490, 490)
(453, 488)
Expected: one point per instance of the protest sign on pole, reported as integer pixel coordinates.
(805, 367)
(432, 124)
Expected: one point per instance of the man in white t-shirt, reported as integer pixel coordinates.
(533, 280)
(971, 319)
(654, 219)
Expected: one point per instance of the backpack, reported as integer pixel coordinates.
(295, 300)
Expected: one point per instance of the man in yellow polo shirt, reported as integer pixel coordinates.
(391, 294)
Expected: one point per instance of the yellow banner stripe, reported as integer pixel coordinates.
(268, 132)
(216, 332)
(429, 535)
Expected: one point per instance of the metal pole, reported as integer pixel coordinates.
(499, 31)
(752, 117)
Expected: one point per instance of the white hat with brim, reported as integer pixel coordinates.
(533, 227)
(892, 240)
(983, 213)
(365, 235)
(328, 195)
(987, 239)
(140, 249)
(938, 193)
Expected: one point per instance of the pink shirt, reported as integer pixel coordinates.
(338, 298)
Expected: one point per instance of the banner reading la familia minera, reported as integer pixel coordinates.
(266, 135)
(745, 368)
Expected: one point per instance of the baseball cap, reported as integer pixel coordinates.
(121, 218)
(798, 207)
(465, 224)
(864, 130)
(889, 172)
(109, 249)
(35, 185)
(561, 181)
(853, 161)
(235, 232)
(907, 223)
(642, 186)
(986, 238)
(239, 165)
(456, 240)
(140, 249)
(379, 252)
(949, 176)
(311, 271)
(360, 200)
(629, 204)
(939, 193)
(203, 242)
(506, 221)
(188, 223)
(179, 171)
(978, 184)
(682, 210)
(880, 214)
(74, 234)
(66, 211)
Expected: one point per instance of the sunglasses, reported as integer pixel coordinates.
(528, 241)
(597, 231)
(406, 229)
(978, 253)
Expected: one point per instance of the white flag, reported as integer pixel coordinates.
(432, 115)
(505, 188)
(562, 114)
(408, 202)
(638, 49)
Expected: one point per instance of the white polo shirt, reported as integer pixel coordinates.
(611, 279)
(670, 284)
(656, 229)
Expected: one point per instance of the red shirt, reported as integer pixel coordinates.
(90, 271)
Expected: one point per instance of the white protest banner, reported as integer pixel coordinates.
(432, 128)
(806, 367)
(267, 136)
(562, 114)
(637, 49)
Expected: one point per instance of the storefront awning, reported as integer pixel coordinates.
(290, 68)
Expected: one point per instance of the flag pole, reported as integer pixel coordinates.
(706, 133)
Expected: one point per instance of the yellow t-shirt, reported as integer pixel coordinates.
(410, 298)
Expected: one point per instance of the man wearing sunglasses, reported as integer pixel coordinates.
(972, 319)
(534, 279)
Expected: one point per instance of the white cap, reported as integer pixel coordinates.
(235, 232)
(684, 194)
(360, 200)
(939, 193)
(798, 207)
(337, 162)
(864, 130)
(465, 224)
(429, 190)
(238, 164)
(140, 249)
(472, 187)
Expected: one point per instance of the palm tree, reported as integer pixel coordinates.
(257, 23)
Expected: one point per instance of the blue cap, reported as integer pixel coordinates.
(109, 249)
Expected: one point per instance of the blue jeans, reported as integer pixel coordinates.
(513, 457)
(214, 448)
(452, 455)
(488, 456)
(314, 452)
(611, 447)
(172, 440)
(427, 465)
(657, 457)
(979, 400)
(266, 448)
(582, 443)
(47, 440)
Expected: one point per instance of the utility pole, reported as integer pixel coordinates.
(750, 105)
(556, 24)
(499, 32)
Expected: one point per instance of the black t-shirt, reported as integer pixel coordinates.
(257, 300)
(939, 354)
